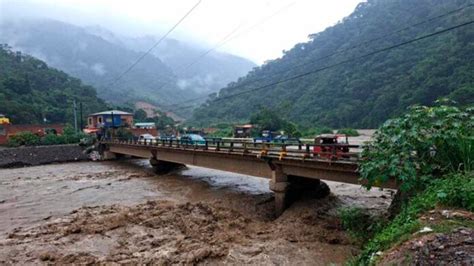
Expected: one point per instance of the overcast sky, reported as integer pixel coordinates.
(262, 28)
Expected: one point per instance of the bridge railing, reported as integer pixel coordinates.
(344, 152)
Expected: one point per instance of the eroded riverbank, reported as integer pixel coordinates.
(122, 212)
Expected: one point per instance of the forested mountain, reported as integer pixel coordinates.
(97, 56)
(94, 60)
(30, 91)
(365, 92)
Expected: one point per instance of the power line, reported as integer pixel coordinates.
(258, 23)
(333, 54)
(184, 67)
(155, 45)
(339, 63)
(211, 49)
(223, 42)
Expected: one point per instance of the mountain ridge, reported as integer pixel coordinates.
(98, 56)
(33, 92)
(361, 93)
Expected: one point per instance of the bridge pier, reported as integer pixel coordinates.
(164, 167)
(279, 185)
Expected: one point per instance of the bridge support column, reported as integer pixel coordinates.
(279, 185)
(164, 167)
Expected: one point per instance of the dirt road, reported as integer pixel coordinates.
(122, 212)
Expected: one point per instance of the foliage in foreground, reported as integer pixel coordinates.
(454, 190)
(422, 145)
(430, 151)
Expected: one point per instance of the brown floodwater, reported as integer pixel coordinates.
(206, 216)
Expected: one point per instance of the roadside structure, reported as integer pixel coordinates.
(243, 131)
(9, 130)
(4, 119)
(108, 119)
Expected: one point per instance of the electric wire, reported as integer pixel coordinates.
(223, 42)
(155, 45)
(336, 64)
(333, 54)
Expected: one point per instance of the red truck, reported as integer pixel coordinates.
(331, 146)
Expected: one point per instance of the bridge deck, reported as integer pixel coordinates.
(256, 159)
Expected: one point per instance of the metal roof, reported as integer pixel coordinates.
(115, 112)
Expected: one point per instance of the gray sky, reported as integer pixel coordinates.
(281, 23)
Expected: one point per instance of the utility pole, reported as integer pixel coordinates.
(80, 114)
(113, 125)
(75, 115)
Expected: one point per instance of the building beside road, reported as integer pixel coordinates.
(109, 119)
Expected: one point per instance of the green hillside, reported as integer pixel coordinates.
(365, 92)
(31, 91)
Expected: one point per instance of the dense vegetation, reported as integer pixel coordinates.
(30, 139)
(420, 146)
(365, 92)
(32, 92)
(430, 151)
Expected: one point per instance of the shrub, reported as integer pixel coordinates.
(23, 138)
(360, 224)
(348, 132)
(52, 139)
(424, 144)
(454, 190)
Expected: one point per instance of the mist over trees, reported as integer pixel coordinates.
(98, 57)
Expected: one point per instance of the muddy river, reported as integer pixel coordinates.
(120, 211)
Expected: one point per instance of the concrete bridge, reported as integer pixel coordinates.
(290, 167)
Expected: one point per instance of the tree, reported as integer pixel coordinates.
(420, 146)
(267, 119)
(140, 115)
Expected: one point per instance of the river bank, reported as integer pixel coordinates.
(38, 155)
(122, 212)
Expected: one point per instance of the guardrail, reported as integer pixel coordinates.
(299, 150)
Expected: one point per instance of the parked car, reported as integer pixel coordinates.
(267, 136)
(146, 139)
(192, 139)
